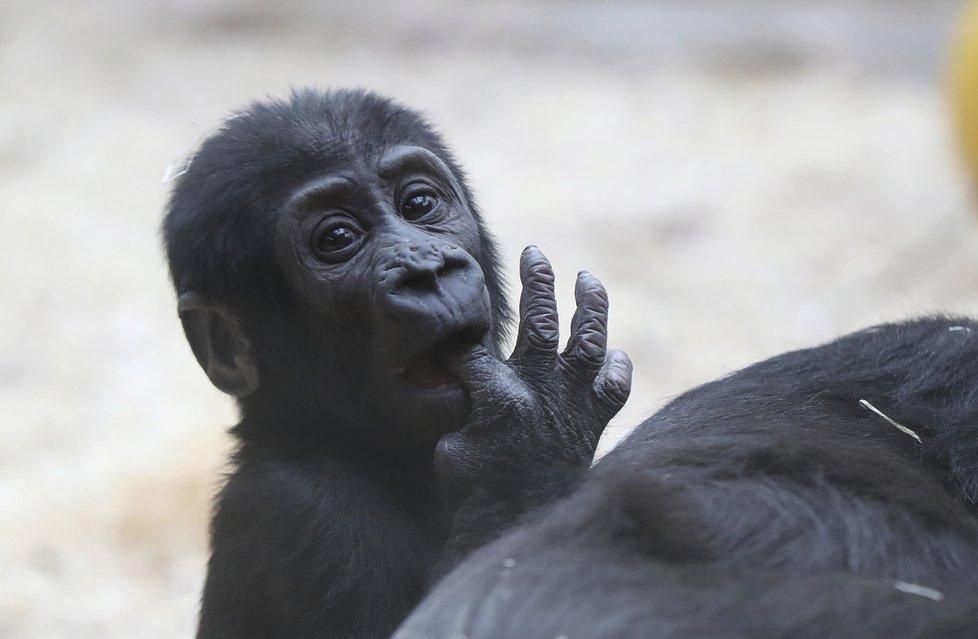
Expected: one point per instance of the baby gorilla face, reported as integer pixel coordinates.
(381, 256)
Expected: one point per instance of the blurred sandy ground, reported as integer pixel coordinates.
(746, 176)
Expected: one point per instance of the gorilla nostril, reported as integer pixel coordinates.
(452, 264)
(425, 277)
(419, 281)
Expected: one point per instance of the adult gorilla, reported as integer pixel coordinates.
(829, 492)
(334, 276)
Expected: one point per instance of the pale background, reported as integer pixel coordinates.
(746, 176)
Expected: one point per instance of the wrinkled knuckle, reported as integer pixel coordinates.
(542, 310)
(614, 389)
(540, 278)
(544, 338)
(542, 328)
(588, 350)
(590, 347)
(594, 318)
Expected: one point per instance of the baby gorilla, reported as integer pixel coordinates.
(334, 276)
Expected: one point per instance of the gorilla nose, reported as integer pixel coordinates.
(427, 275)
(427, 284)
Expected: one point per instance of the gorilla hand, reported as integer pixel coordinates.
(537, 417)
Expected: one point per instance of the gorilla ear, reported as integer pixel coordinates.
(218, 340)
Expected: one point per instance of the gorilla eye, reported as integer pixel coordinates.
(336, 240)
(417, 206)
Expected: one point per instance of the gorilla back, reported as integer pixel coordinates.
(824, 492)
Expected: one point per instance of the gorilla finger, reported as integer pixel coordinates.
(538, 332)
(490, 383)
(613, 385)
(477, 368)
(588, 342)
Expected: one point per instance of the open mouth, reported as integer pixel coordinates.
(435, 367)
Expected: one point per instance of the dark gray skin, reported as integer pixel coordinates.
(334, 277)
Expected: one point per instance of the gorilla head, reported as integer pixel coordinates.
(330, 264)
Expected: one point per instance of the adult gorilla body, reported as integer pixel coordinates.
(334, 276)
(829, 492)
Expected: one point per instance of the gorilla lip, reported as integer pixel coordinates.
(434, 367)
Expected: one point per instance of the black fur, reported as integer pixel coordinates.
(770, 503)
(334, 275)
(219, 225)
